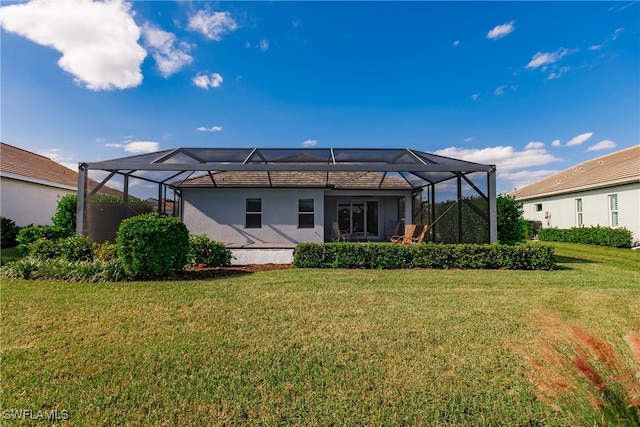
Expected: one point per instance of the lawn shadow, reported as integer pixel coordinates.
(560, 259)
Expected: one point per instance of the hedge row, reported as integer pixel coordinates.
(428, 255)
(602, 236)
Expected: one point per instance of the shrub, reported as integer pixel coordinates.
(76, 248)
(152, 245)
(28, 235)
(65, 216)
(70, 271)
(105, 252)
(9, 232)
(427, 255)
(511, 225)
(602, 236)
(208, 253)
(43, 249)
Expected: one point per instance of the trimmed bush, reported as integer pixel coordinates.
(28, 235)
(427, 255)
(601, 236)
(9, 232)
(152, 245)
(208, 253)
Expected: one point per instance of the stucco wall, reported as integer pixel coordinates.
(221, 215)
(29, 203)
(560, 211)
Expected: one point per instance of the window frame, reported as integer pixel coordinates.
(614, 217)
(253, 214)
(306, 214)
(537, 207)
(579, 217)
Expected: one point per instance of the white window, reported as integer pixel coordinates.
(613, 210)
(579, 212)
(253, 215)
(306, 213)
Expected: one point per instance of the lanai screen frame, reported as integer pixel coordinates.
(419, 169)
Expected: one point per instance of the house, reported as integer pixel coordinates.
(604, 191)
(31, 186)
(270, 199)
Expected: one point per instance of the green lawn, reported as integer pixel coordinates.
(304, 347)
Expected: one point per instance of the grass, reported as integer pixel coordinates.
(305, 347)
(9, 254)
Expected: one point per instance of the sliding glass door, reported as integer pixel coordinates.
(359, 217)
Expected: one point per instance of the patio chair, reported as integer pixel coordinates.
(404, 238)
(337, 234)
(393, 230)
(420, 238)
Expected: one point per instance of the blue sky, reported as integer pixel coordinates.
(534, 87)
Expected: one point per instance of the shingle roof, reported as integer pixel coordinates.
(288, 179)
(21, 162)
(34, 167)
(616, 168)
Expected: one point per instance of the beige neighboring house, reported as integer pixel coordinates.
(604, 191)
(31, 186)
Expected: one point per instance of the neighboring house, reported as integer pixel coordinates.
(31, 186)
(604, 191)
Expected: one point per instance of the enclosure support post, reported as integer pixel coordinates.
(81, 203)
(493, 210)
(459, 203)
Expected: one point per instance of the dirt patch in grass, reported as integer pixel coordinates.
(194, 273)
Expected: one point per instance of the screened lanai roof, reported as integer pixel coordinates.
(183, 167)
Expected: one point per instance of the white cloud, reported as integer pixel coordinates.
(556, 143)
(602, 145)
(162, 44)
(211, 129)
(499, 90)
(205, 82)
(525, 177)
(505, 157)
(309, 143)
(212, 25)
(469, 139)
(556, 74)
(98, 40)
(264, 45)
(615, 35)
(137, 147)
(456, 42)
(541, 59)
(577, 140)
(58, 156)
(534, 145)
(475, 96)
(500, 31)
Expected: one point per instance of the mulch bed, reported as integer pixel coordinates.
(195, 273)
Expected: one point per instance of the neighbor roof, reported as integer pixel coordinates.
(176, 167)
(616, 168)
(22, 164)
(17, 163)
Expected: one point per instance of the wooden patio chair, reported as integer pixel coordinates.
(337, 234)
(420, 238)
(403, 239)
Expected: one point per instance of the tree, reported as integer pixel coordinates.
(511, 224)
(65, 216)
